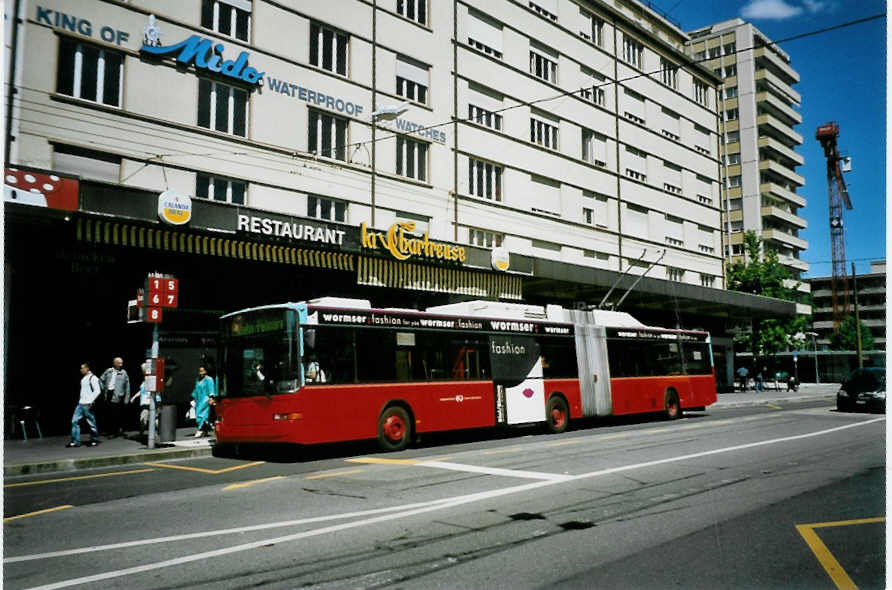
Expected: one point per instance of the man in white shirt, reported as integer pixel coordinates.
(90, 390)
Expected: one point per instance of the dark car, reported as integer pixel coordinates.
(863, 389)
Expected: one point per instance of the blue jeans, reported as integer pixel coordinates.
(83, 411)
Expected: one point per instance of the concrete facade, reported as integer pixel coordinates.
(759, 116)
(871, 304)
(595, 177)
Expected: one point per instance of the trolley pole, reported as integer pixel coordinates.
(857, 316)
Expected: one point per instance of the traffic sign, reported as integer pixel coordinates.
(153, 315)
(162, 291)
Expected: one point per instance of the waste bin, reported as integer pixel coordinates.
(168, 424)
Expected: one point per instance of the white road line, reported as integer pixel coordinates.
(495, 471)
(187, 536)
(429, 507)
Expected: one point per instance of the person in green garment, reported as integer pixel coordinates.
(202, 395)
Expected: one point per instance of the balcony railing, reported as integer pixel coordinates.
(778, 213)
(780, 126)
(777, 62)
(772, 144)
(781, 170)
(776, 190)
(784, 238)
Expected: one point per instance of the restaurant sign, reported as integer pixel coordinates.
(402, 245)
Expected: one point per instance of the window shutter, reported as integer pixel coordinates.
(240, 4)
(634, 105)
(635, 222)
(483, 99)
(412, 71)
(485, 32)
(674, 228)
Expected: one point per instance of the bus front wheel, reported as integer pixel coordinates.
(557, 415)
(672, 405)
(394, 429)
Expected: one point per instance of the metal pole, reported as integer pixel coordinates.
(817, 373)
(374, 102)
(857, 316)
(13, 57)
(151, 443)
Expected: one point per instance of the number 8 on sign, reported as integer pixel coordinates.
(153, 315)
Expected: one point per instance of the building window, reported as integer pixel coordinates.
(222, 108)
(730, 71)
(597, 204)
(591, 28)
(588, 215)
(730, 48)
(595, 92)
(89, 72)
(411, 158)
(668, 73)
(701, 94)
(324, 208)
(735, 204)
(633, 52)
(733, 159)
(483, 238)
(543, 67)
(636, 164)
(732, 137)
(413, 10)
(594, 147)
(705, 199)
(485, 179)
(227, 17)
(707, 280)
(737, 249)
(543, 133)
(715, 52)
(706, 249)
(635, 108)
(546, 8)
(327, 135)
(731, 92)
(483, 117)
(734, 181)
(328, 49)
(737, 225)
(484, 35)
(700, 55)
(671, 124)
(217, 188)
(412, 79)
(732, 114)
(675, 274)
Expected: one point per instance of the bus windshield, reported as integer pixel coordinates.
(260, 354)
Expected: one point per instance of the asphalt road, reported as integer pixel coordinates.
(742, 498)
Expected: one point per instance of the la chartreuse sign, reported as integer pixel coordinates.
(402, 246)
(208, 56)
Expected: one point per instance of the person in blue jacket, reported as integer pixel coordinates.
(202, 395)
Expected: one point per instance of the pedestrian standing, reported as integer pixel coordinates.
(759, 378)
(116, 384)
(145, 401)
(90, 390)
(743, 373)
(202, 395)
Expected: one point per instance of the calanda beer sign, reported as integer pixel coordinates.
(402, 245)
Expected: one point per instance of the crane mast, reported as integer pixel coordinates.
(838, 197)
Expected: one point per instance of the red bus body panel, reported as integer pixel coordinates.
(636, 395)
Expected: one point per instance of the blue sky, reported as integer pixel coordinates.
(842, 78)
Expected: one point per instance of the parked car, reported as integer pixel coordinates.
(863, 389)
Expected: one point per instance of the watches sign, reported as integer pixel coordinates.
(174, 208)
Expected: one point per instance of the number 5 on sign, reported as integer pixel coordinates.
(154, 315)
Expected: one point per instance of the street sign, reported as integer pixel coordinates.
(153, 315)
(162, 291)
(155, 375)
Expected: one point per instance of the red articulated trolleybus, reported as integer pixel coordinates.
(336, 369)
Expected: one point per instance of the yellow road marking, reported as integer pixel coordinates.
(35, 513)
(822, 553)
(74, 478)
(500, 451)
(776, 407)
(379, 461)
(244, 484)
(334, 474)
(820, 525)
(208, 471)
(561, 443)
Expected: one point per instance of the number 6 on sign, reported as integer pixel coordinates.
(154, 315)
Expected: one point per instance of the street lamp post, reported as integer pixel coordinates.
(815, 344)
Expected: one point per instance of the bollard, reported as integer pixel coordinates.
(168, 423)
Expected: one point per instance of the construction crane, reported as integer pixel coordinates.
(838, 196)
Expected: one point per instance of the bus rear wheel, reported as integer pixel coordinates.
(557, 415)
(394, 429)
(672, 405)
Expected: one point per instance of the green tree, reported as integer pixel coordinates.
(761, 273)
(846, 337)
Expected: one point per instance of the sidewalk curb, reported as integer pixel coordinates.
(87, 463)
(761, 402)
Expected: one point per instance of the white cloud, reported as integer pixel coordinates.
(772, 9)
(814, 6)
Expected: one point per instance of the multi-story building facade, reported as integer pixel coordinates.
(758, 111)
(403, 151)
(871, 304)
